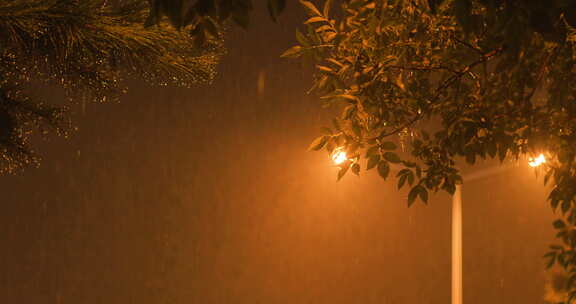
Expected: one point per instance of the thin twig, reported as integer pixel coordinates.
(422, 68)
(477, 50)
(448, 82)
(540, 74)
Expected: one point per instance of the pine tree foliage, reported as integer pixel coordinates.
(87, 47)
(449, 80)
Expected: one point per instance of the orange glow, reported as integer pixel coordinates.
(339, 156)
(536, 161)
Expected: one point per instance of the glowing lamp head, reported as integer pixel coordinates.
(536, 161)
(339, 156)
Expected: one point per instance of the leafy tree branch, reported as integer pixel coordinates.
(450, 80)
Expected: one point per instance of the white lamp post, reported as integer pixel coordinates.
(457, 245)
(339, 156)
(457, 291)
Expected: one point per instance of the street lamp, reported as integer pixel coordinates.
(339, 156)
(457, 223)
(457, 245)
(536, 161)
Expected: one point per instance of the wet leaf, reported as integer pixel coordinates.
(412, 195)
(373, 160)
(392, 157)
(559, 224)
(275, 8)
(310, 7)
(315, 19)
(318, 143)
(356, 169)
(383, 169)
(388, 145)
(292, 52)
(342, 172)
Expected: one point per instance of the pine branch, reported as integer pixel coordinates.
(87, 47)
(20, 116)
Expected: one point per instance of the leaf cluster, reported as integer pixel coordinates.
(205, 17)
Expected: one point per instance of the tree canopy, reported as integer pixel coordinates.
(87, 48)
(203, 18)
(449, 80)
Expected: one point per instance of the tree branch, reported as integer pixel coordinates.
(540, 75)
(475, 49)
(422, 68)
(447, 83)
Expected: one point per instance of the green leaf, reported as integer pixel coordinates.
(293, 52)
(275, 8)
(402, 181)
(336, 62)
(374, 150)
(402, 172)
(318, 143)
(554, 204)
(343, 96)
(315, 19)
(423, 194)
(559, 224)
(551, 259)
(328, 36)
(410, 177)
(373, 160)
(324, 28)
(548, 175)
(324, 68)
(412, 195)
(409, 164)
(327, 6)
(449, 186)
(565, 206)
(383, 169)
(392, 157)
(356, 169)
(342, 172)
(388, 145)
(310, 7)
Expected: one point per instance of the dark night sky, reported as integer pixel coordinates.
(208, 195)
